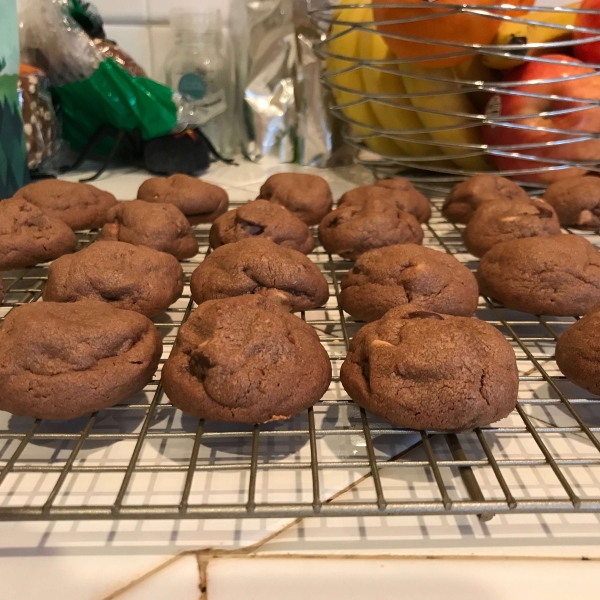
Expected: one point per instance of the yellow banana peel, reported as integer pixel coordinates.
(517, 34)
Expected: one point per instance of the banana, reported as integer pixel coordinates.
(347, 45)
(516, 34)
(475, 70)
(446, 128)
(372, 47)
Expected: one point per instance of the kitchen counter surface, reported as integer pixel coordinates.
(511, 556)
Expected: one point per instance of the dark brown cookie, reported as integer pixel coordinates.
(557, 275)
(29, 236)
(259, 266)
(79, 205)
(408, 197)
(128, 277)
(199, 201)
(578, 352)
(245, 360)
(408, 274)
(466, 197)
(304, 195)
(503, 220)
(354, 228)
(423, 370)
(61, 361)
(261, 218)
(576, 201)
(159, 226)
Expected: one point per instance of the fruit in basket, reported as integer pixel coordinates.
(361, 113)
(443, 22)
(590, 51)
(513, 33)
(382, 79)
(543, 143)
(443, 109)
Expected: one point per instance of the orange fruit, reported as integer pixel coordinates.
(438, 21)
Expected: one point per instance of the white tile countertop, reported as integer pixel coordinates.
(510, 556)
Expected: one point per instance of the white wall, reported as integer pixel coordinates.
(141, 27)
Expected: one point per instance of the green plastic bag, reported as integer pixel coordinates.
(112, 96)
(13, 155)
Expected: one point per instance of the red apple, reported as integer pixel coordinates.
(536, 134)
(589, 52)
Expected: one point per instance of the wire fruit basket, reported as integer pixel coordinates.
(446, 91)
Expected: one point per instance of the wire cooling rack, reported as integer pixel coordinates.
(146, 459)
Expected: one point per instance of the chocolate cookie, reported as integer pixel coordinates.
(199, 201)
(245, 360)
(354, 228)
(306, 196)
(159, 226)
(61, 361)
(408, 274)
(503, 220)
(29, 236)
(261, 218)
(557, 275)
(576, 201)
(79, 205)
(423, 370)
(408, 198)
(578, 352)
(259, 266)
(128, 277)
(466, 197)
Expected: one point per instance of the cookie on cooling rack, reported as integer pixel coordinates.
(259, 266)
(578, 352)
(556, 275)
(129, 277)
(503, 220)
(357, 227)
(79, 205)
(261, 218)
(159, 226)
(29, 236)
(408, 274)
(61, 361)
(576, 201)
(306, 196)
(425, 370)
(407, 197)
(245, 360)
(199, 201)
(466, 197)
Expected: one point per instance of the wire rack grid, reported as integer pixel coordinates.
(146, 459)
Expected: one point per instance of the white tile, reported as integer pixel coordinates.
(179, 580)
(131, 11)
(159, 10)
(160, 46)
(385, 579)
(135, 40)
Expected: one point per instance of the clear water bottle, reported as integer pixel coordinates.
(199, 70)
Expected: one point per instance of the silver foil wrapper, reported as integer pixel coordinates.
(264, 38)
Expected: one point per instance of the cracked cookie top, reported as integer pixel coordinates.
(424, 370)
(246, 360)
(261, 218)
(130, 277)
(258, 266)
(556, 275)
(61, 361)
(408, 274)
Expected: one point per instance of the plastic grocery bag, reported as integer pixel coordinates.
(13, 156)
(91, 89)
